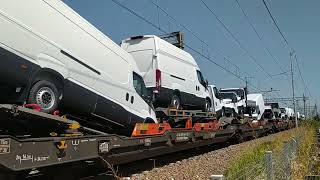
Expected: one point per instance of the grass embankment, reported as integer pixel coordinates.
(301, 166)
(256, 154)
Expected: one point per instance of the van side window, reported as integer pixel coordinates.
(139, 86)
(200, 77)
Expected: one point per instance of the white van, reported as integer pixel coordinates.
(268, 113)
(222, 107)
(171, 73)
(230, 100)
(242, 100)
(53, 57)
(290, 113)
(283, 113)
(255, 104)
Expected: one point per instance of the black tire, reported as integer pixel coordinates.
(175, 102)
(46, 94)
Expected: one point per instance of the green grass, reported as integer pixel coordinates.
(301, 165)
(255, 154)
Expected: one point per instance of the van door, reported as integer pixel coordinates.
(217, 99)
(200, 89)
(213, 99)
(141, 101)
(114, 86)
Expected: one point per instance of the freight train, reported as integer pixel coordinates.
(70, 95)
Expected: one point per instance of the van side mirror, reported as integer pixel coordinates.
(206, 83)
(219, 96)
(149, 99)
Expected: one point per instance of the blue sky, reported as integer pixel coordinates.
(298, 20)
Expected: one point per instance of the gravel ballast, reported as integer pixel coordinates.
(204, 165)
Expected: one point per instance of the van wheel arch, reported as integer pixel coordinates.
(48, 74)
(149, 120)
(46, 87)
(177, 92)
(177, 95)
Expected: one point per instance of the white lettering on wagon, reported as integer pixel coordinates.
(184, 136)
(4, 146)
(32, 158)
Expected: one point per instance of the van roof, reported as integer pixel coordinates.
(96, 34)
(162, 44)
(254, 97)
(232, 88)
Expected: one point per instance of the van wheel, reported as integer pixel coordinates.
(46, 94)
(175, 102)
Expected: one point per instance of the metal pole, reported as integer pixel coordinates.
(269, 168)
(304, 107)
(246, 83)
(286, 151)
(292, 85)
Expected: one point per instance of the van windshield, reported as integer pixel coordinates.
(231, 96)
(239, 92)
(140, 87)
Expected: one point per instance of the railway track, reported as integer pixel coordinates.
(129, 169)
(204, 164)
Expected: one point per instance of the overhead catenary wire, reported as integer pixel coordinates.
(301, 77)
(194, 34)
(286, 42)
(179, 24)
(236, 39)
(240, 44)
(158, 14)
(275, 22)
(194, 50)
(188, 29)
(267, 50)
(186, 45)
